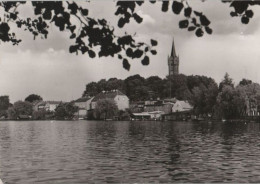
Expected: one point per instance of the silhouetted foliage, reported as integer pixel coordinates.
(40, 114)
(227, 81)
(245, 82)
(20, 108)
(95, 36)
(33, 97)
(4, 104)
(105, 109)
(65, 111)
(91, 33)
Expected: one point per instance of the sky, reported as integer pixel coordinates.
(46, 68)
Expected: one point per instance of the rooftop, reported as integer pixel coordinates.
(83, 99)
(107, 94)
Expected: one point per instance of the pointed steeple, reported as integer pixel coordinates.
(173, 53)
(173, 61)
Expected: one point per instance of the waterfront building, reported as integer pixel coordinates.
(181, 106)
(121, 100)
(181, 110)
(84, 105)
(46, 105)
(159, 105)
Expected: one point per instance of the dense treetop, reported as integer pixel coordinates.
(33, 97)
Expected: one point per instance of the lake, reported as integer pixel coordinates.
(113, 152)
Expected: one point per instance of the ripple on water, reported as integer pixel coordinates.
(116, 152)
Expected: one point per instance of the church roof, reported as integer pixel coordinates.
(173, 52)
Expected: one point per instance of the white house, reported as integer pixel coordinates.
(46, 105)
(181, 106)
(121, 100)
(52, 105)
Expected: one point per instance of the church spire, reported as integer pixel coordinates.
(173, 61)
(173, 53)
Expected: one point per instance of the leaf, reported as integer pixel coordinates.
(165, 6)
(73, 35)
(37, 11)
(177, 7)
(131, 5)
(91, 53)
(12, 16)
(154, 52)
(137, 53)
(245, 20)
(249, 13)
(84, 12)
(199, 32)
(60, 22)
(119, 56)
(73, 8)
(208, 30)
(84, 49)
(194, 21)
(139, 2)
(239, 6)
(121, 22)
(47, 15)
(191, 28)
(183, 24)
(187, 12)
(153, 42)
(145, 60)
(197, 13)
(126, 64)
(129, 52)
(73, 48)
(72, 28)
(4, 27)
(204, 20)
(137, 18)
(233, 14)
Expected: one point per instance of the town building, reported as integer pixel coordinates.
(173, 61)
(84, 104)
(159, 105)
(49, 106)
(121, 100)
(181, 106)
(181, 110)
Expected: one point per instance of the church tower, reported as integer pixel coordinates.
(173, 61)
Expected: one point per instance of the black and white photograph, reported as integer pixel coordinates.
(147, 91)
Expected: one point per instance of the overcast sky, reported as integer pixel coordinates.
(45, 67)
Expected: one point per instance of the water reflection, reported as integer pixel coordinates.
(89, 151)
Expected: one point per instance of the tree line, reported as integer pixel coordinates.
(225, 100)
(207, 97)
(65, 110)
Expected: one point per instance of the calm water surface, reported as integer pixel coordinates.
(89, 151)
